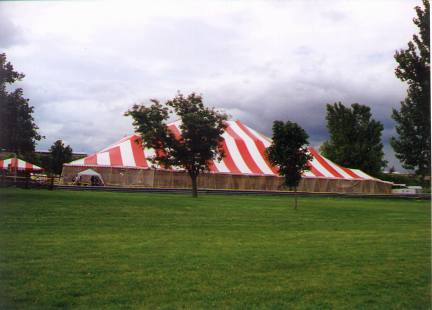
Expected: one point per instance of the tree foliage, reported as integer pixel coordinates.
(355, 138)
(289, 152)
(59, 154)
(413, 121)
(18, 131)
(199, 140)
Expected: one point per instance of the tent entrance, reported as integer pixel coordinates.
(89, 177)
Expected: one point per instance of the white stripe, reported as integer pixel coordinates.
(253, 150)
(266, 142)
(362, 174)
(103, 159)
(149, 154)
(308, 173)
(337, 168)
(235, 153)
(21, 164)
(117, 143)
(127, 154)
(77, 162)
(220, 165)
(315, 163)
(7, 162)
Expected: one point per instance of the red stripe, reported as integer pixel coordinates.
(244, 152)
(2, 164)
(260, 146)
(350, 172)
(138, 152)
(161, 153)
(314, 170)
(28, 166)
(212, 166)
(228, 160)
(324, 163)
(90, 160)
(115, 156)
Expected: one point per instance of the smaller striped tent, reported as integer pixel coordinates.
(19, 164)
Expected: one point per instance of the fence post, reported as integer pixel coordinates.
(27, 181)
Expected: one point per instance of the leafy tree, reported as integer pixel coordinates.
(18, 131)
(413, 143)
(199, 142)
(355, 138)
(59, 154)
(289, 152)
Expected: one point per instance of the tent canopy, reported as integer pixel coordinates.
(245, 153)
(19, 164)
(89, 172)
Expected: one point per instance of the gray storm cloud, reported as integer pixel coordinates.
(87, 63)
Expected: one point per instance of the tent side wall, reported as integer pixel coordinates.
(179, 179)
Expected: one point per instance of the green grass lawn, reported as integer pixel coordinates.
(99, 250)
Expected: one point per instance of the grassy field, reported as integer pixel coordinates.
(91, 250)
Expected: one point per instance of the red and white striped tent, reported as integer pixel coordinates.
(244, 154)
(19, 164)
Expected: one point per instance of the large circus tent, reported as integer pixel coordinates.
(245, 166)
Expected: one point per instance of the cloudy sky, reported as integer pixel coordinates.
(87, 62)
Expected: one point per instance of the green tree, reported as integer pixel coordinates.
(413, 121)
(201, 133)
(355, 138)
(59, 154)
(289, 152)
(18, 131)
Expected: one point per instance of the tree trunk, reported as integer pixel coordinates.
(194, 186)
(295, 197)
(15, 170)
(424, 181)
(51, 187)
